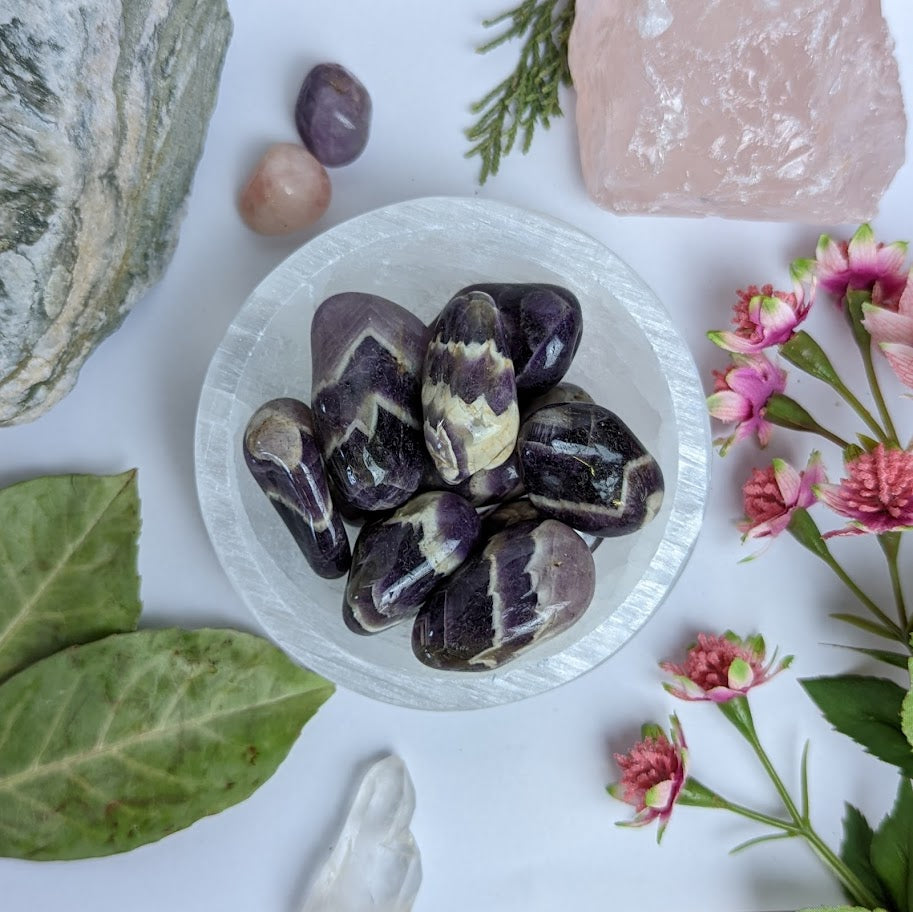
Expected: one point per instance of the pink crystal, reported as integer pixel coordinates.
(776, 109)
(288, 191)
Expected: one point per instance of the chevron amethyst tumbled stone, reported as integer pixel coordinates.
(543, 324)
(489, 485)
(531, 582)
(283, 457)
(582, 464)
(563, 392)
(367, 355)
(469, 395)
(397, 562)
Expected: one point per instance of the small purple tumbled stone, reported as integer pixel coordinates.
(282, 455)
(469, 397)
(397, 562)
(367, 354)
(544, 324)
(333, 115)
(532, 581)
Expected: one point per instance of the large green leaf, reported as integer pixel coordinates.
(891, 849)
(856, 851)
(906, 710)
(67, 564)
(868, 710)
(109, 745)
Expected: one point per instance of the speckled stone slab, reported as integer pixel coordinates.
(104, 106)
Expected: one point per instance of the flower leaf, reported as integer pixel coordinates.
(856, 851)
(806, 354)
(894, 659)
(906, 710)
(140, 735)
(68, 572)
(891, 845)
(867, 709)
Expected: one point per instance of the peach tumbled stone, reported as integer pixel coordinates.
(288, 190)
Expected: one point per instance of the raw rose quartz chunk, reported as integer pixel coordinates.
(289, 190)
(780, 109)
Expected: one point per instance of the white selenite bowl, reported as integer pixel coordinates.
(419, 253)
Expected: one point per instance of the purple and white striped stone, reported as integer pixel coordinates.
(490, 485)
(282, 455)
(563, 392)
(544, 324)
(469, 395)
(582, 465)
(367, 355)
(532, 581)
(397, 562)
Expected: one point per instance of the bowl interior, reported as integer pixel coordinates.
(419, 254)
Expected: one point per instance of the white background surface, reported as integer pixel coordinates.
(511, 810)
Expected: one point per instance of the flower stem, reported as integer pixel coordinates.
(890, 544)
(873, 608)
(738, 712)
(855, 302)
(805, 531)
(862, 412)
(877, 395)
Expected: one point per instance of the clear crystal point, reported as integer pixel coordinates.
(375, 865)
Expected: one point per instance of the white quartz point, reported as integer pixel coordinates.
(375, 865)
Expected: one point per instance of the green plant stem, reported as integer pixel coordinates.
(805, 531)
(865, 600)
(738, 712)
(877, 395)
(890, 545)
(862, 412)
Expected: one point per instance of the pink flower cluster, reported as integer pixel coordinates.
(655, 770)
(876, 495)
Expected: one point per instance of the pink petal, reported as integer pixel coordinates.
(768, 528)
(741, 675)
(788, 481)
(832, 263)
(728, 406)
(863, 249)
(905, 305)
(776, 317)
(900, 357)
(722, 694)
(730, 341)
(660, 795)
(891, 257)
(884, 325)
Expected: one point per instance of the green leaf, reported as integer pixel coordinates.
(906, 710)
(894, 659)
(891, 845)
(113, 744)
(68, 573)
(866, 709)
(856, 851)
(841, 909)
(806, 354)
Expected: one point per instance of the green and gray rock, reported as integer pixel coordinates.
(103, 110)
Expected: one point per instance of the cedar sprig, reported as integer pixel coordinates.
(529, 95)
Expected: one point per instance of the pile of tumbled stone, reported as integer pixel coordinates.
(471, 467)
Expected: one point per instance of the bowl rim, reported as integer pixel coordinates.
(214, 444)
